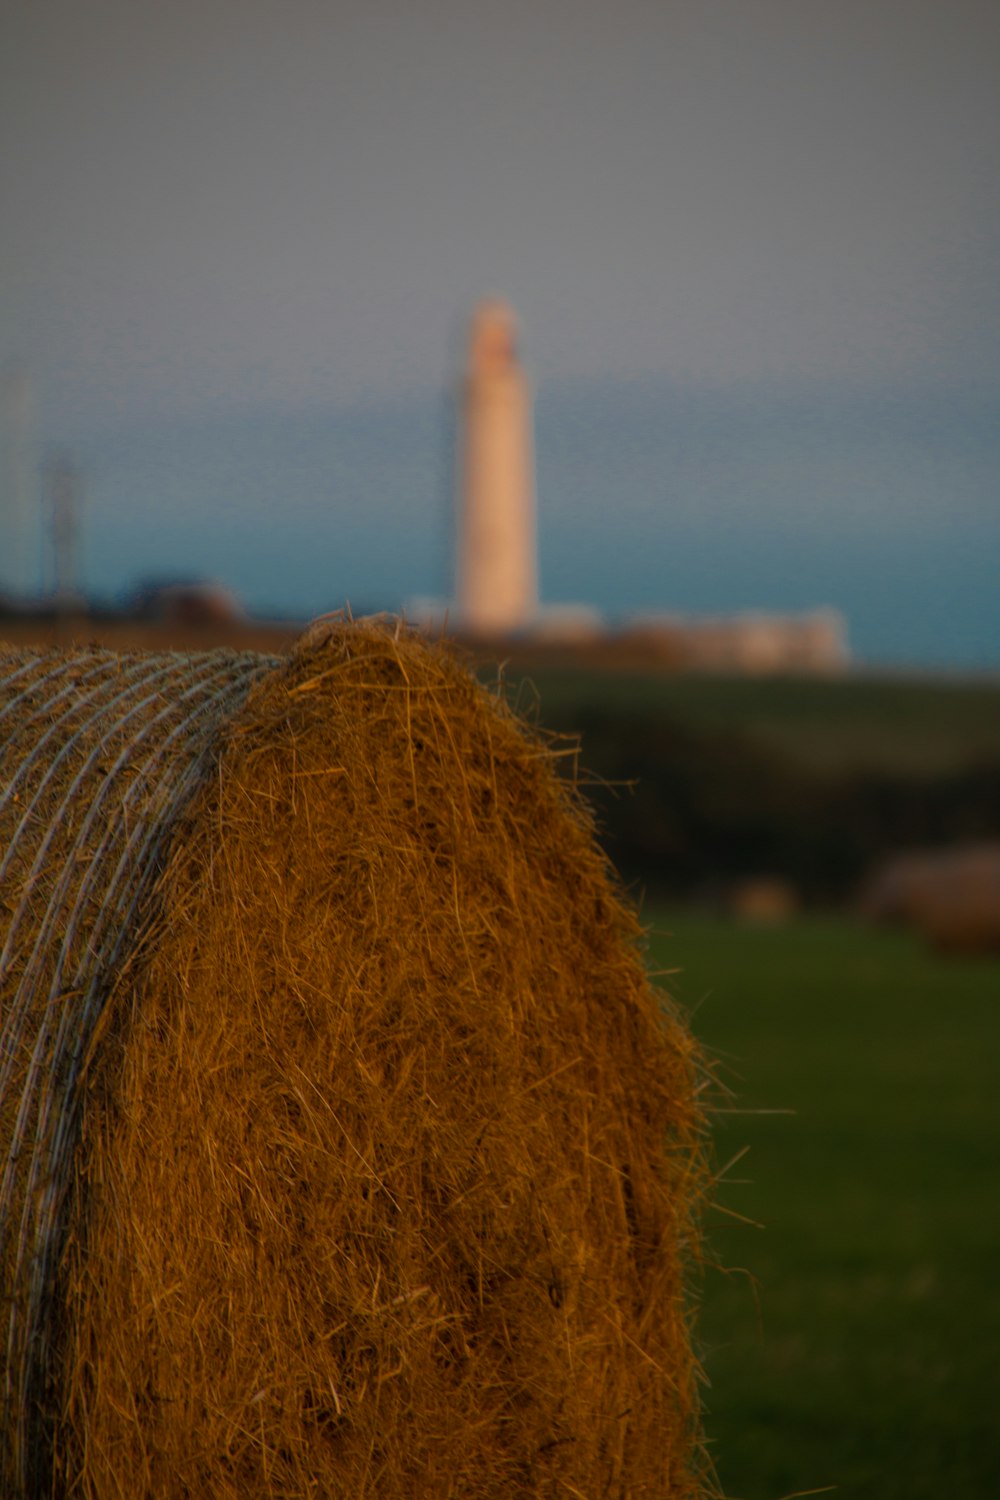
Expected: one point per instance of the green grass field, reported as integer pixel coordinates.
(854, 1340)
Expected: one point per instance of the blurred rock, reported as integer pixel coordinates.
(187, 602)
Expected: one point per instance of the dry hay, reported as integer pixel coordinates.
(389, 1156)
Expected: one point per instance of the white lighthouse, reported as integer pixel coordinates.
(497, 585)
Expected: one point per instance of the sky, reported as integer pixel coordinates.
(754, 246)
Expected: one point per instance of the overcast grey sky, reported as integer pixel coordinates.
(216, 204)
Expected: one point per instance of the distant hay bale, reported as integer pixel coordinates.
(348, 1148)
(951, 896)
(764, 901)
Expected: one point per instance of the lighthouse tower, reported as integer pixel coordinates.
(497, 586)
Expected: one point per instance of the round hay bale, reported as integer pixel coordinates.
(358, 1156)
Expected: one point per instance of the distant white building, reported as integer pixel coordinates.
(815, 641)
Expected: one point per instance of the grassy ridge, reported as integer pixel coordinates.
(914, 726)
(858, 1351)
(701, 783)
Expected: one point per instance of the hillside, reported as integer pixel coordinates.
(702, 782)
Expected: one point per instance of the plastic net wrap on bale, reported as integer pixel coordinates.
(385, 1156)
(98, 755)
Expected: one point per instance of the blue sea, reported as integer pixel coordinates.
(652, 495)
